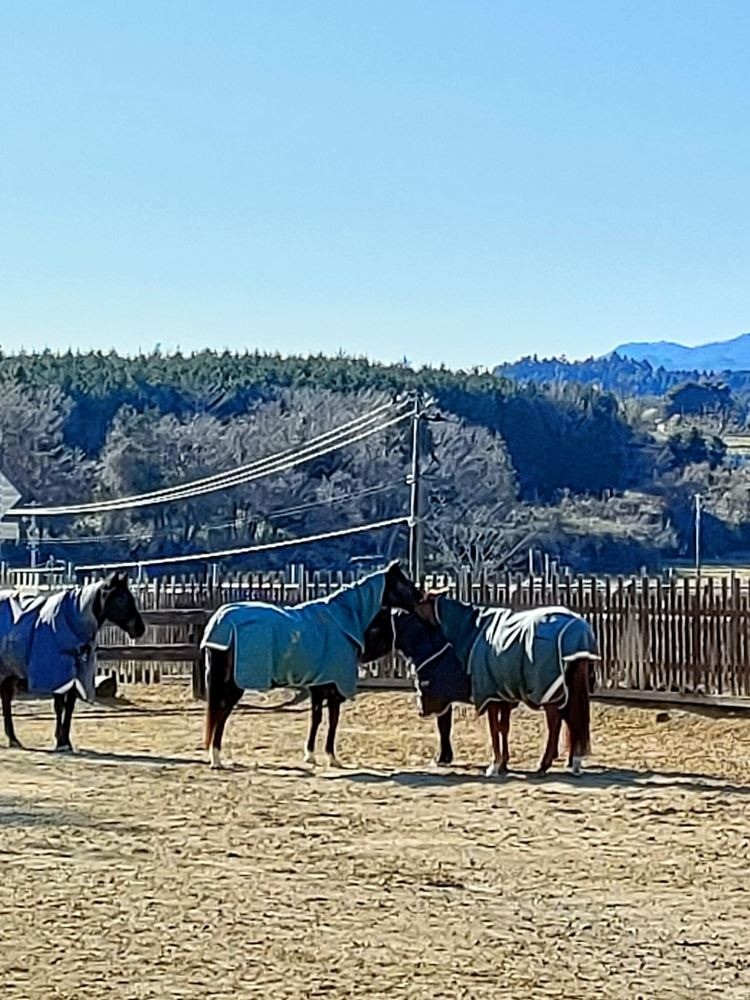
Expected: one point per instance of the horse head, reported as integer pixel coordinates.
(116, 604)
(439, 675)
(400, 591)
(378, 638)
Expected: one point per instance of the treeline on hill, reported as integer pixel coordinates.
(624, 377)
(562, 467)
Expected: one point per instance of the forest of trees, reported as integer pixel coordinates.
(509, 463)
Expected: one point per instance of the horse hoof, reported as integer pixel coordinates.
(15, 745)
(214, 759)
(495, 769)
(309, 758)
(575, 766)
(64, 748)
(333, 761)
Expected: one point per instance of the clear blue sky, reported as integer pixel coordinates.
(459, 182)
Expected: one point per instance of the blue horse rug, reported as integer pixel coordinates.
(516, 655)
(317, 642)
(49, 642)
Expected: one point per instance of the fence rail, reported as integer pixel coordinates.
(662, 640)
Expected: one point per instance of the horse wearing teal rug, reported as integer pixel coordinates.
(495, 658)
(316, 646)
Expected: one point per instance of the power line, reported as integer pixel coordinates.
(165, 532)
(284, 461)
(246, 550)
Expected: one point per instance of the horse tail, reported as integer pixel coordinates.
(577, 712)
(216, 681)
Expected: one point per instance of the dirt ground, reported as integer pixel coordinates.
(132, 871)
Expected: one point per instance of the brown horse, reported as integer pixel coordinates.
(567, 701)
(443, 679)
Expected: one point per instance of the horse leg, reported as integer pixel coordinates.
(499, 764)
(334, 712)
(223, 695)
(445, 751)
(578, 713)
(505, 709)
(7, 690)
(317, 697)
(554, 721)
(64, 705)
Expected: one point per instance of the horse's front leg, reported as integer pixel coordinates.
(445, 750)
(498, 720)
(551, 751)
(64, 706)
(334, 713)
(7, 690)
(317, 697)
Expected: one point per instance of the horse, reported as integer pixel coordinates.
(316, 645)
(542, 657)
(48, 645)
(444, 677)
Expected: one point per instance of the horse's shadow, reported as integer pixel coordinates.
(112, 757)
(593, 778)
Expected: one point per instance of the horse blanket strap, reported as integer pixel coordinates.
(317, 642)
(517, 656)
(49, 641)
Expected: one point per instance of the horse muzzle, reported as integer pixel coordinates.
(135, 628)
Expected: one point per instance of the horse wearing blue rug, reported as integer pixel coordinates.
(48, 645)
(495, 658)
(317, 646)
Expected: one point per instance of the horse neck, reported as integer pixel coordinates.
(459, 622)
(360, 601)
(88, 600)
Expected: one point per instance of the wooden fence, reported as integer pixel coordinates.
(662, 640)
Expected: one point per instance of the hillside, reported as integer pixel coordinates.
(569, 468)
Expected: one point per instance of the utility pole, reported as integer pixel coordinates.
(33, 536)
(416, 526)
(698, 512)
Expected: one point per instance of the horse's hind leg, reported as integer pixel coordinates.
(334, 713)
(223, 695)
(231, 697)
(317, 697)
(7, 690)
(551, 751)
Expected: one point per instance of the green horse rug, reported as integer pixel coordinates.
(314, 643)
(516, 656)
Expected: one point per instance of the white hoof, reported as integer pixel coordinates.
(575, 765)
(309, 757)
(493, 770)
(214, 759)
(333, 760)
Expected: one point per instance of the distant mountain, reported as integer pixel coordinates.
(724, 355)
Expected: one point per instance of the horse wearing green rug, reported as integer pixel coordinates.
(496, 658)
(317, 646)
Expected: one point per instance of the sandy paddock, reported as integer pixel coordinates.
(132, 871)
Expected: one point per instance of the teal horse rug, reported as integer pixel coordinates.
(516, 655)
(304, 645)
(49, 642)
